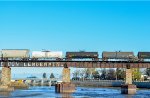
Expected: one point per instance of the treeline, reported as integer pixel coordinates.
(105, 74)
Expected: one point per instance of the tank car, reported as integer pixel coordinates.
(38, 55)
(143, 55)
(118, 55)
(15, 53)
(47, 55)
(81, 55)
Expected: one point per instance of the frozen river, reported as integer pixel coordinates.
(81, 92)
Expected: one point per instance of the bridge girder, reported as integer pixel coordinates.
(76, 64)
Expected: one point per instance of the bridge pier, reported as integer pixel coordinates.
(128, 87)
(65, 86)
(6, 78)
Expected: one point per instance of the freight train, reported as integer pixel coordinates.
(24, 54)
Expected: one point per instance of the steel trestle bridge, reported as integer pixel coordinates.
(76, 63)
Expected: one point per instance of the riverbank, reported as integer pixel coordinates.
(108, 83)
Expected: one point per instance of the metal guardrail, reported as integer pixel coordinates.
(101, 61)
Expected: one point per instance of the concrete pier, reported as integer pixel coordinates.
(6, 79)
(128, 87)
(128, 79)
(65, 86)
(66, 75)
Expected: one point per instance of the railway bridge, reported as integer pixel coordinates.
(66, 86)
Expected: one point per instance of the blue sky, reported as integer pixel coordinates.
(73, 26)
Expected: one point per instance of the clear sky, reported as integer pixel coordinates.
(72, 26)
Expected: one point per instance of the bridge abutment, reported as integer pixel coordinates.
(128, 87)
(65, 86)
